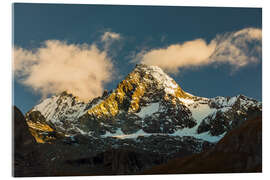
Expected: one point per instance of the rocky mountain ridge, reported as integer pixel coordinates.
(147, 102)
(148, 113)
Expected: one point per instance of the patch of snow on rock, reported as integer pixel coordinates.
(232, 101)
(148, 110)
(200, 111)
(118, 132)
(128, 136)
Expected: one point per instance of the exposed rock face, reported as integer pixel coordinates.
(230, 113)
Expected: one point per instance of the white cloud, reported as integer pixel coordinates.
(238, 48)
(57, 66)
(110, 36)
(178, 55)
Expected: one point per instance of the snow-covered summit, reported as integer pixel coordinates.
(163, 80)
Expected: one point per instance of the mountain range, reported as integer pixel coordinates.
(146, 124)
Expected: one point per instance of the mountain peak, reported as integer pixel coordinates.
(143, 86)
(148, 67)
(155, 71)
(163, 80)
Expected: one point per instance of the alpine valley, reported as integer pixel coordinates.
(147, 125)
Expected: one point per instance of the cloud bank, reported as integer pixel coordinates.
(58, 66)
(238, 49)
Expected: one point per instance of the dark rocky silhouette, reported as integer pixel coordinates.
(26, 157)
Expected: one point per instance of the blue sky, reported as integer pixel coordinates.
(142, 28)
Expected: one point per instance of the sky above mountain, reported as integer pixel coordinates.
(88, 48)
